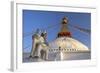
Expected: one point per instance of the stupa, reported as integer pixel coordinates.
(65, 43)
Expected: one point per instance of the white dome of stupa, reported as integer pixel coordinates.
(68, 44)
(67, 48)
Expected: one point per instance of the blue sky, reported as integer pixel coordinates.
(33, 19)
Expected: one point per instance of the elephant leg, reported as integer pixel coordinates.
(38, 53)
(42, 54)
(46, 55)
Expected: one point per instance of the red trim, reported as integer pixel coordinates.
(67, 34)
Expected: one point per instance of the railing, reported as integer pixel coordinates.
(67, 50)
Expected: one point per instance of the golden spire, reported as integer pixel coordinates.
(64, 24)
(64, 28)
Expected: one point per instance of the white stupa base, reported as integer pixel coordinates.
(60, 56)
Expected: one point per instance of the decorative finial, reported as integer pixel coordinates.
(65, 20)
